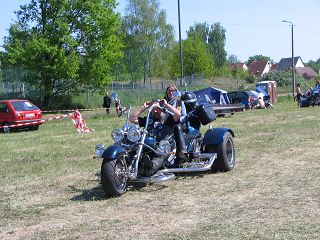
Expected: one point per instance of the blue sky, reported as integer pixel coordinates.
(253, 27)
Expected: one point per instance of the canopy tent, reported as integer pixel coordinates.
(215, 95)
(260, 89)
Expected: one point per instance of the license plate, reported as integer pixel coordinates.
(30, 115)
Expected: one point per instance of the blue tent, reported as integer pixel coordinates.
(216, 95)
(261, 89)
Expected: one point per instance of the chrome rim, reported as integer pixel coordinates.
(120, 173)
(230, 151)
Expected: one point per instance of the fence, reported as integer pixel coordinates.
(129, 93)
(193, 80)
(12, 89)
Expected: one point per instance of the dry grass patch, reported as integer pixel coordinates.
(50, 190)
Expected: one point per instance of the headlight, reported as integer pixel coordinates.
(134, 135)
(164, 146)
(117, 135)
(100, 149)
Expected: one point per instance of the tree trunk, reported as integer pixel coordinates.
(145, 73)
(48, 88)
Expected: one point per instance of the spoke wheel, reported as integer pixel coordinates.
(114, 178)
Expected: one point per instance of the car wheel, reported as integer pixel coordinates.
(34, 127)
(5, 127)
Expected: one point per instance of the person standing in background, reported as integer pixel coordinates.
(107, 102)
(298, 93)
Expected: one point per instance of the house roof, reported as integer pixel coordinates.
(238, 65)
(257, 67)
(306, 72)
(286, 63)
(274, 66)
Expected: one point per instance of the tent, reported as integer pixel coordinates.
(215, 95)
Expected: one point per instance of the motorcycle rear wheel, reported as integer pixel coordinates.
(226, 152)
(113, 176)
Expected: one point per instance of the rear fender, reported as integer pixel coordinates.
(112, 152)
(214, 136)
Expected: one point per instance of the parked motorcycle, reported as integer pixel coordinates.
(137, 154)
(255, 103)
(267, 102)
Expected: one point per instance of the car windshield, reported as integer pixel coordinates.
(252, 93)
(23, 106)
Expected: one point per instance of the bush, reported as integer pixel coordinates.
(250, 79)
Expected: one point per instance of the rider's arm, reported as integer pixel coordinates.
(175, 111)
(135, 115)
(183, 112)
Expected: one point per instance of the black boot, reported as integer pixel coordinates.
(181, 153)
(149, 166)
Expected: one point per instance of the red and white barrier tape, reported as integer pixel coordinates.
(73, 110)
(79, 122)
(57, 117)
(76, 118)
(23, 124)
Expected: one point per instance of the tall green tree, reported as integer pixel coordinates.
(258, 58)
(148, 35)
(217, 42)
(65, 43)
(200, 30)
(196, 60)
(214, 37)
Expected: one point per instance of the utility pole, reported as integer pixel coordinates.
(292, 56)
(180, 43)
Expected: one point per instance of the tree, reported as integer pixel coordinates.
(232, 59)
(315, 65)
(200, 30)
(65, 44)
(195, 58)
(217, 42)
(258, 58)
(283, 78)
(214, 37)
(148, 34)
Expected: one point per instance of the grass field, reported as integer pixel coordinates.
(49, 187)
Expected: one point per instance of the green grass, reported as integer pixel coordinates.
(49, 188)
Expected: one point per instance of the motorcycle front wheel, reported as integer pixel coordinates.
(113, 176)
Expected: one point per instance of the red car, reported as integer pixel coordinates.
(21, 113)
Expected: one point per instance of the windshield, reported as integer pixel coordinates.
(252, 93)
(23, 106)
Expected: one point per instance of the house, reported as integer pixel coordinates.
(285, 64)
(273, 67)
(306, 72)
(241, 66)
(259, 68)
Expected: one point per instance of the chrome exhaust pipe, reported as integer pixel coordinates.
(168, 174)
(194, 166)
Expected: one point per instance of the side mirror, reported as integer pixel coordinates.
(177, 95)
(114, 96)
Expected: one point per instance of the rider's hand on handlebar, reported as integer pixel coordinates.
(163, 103)
(146, 104)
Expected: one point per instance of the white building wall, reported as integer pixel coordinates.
(299, 63)
(267, 68)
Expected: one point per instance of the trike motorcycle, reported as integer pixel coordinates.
(138, 155)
